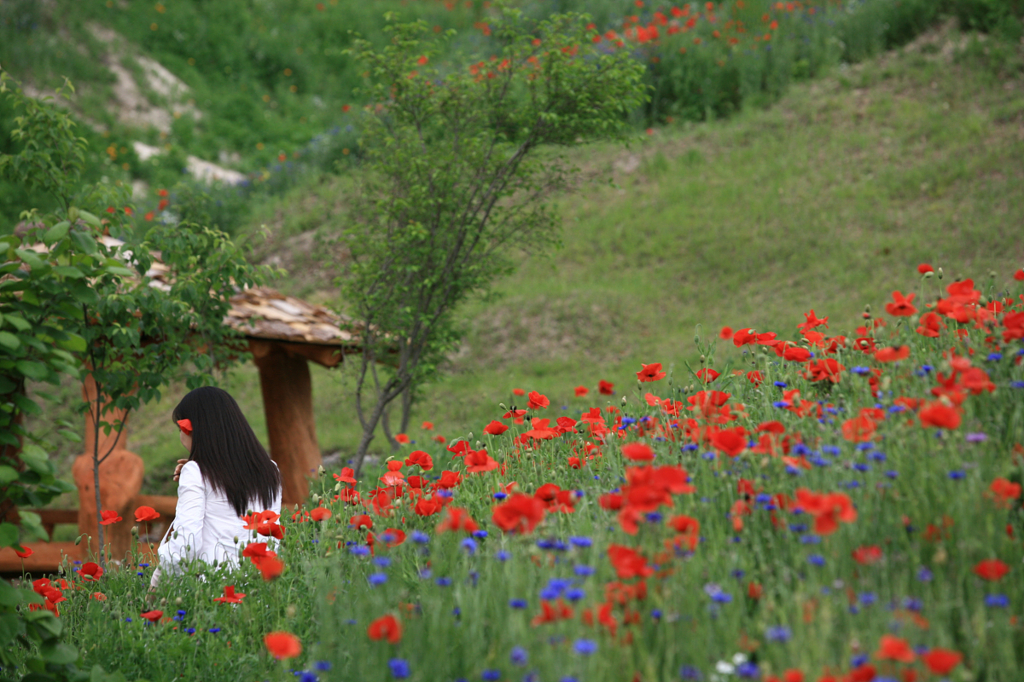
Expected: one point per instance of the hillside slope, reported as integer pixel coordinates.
(829, 200)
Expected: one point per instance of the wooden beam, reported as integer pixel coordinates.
(46, 557)
(291, 426)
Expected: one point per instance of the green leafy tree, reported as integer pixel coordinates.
(459, 164)
(75, 301)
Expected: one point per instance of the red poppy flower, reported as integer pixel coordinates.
(519, 514)
(347, 475)
(828, 509)
(754, 590)
(518, 391)
(628, 563)
(256, 550)
(939, 415)
(581, 391)
(152, 616)
(495, 428)
(458, 519)
(478, 462)
(108, 517)
(902, 306)
(859, 429)
(707, 375)
(1019, 275)
(610, 501)
(402, 438)
(428, 506)
(448, 480)
(320, 514)
(795, 354)
(730, 442)
(90, 570)
(891, 648)
(941, 661)
(688, 529)
(1005, 491)
(386, 627)
(638, 452)
(149, 216)
(924, 268)
(421, 459)
(812, 321)
(24, 552)
(650, 372)
(537, 401)
(725, 333)
(755, 377)
(427, 426)
(991, 569)
(283, 645)
(605, 388)
(892, 354)
(870, 554)
(186, 426)
(230, 597)
(361, 521)
(146, 514)
(270, 567)
(99, 596)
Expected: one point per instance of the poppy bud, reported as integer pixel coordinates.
(940, 273)
(479, 445)
(290, 611)
(177, 600)
(696, 339)
(79, 538)
(320, 471)
(337, 487)
(702, 359)
(624, 400)
(928, 274)
(135, 532)
(470, 436)
(163, 601)
(992, 274)
(502, 406)
(175, 535)
(236, 539)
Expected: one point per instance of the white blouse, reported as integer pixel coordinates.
(205, 525)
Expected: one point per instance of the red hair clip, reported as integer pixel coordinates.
(186, 426)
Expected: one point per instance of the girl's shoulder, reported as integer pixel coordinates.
(190, 473)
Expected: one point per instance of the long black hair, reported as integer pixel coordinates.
(228, 453)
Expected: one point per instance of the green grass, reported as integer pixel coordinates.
(828, 200)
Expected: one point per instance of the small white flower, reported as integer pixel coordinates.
(739, 659)
(724, 667)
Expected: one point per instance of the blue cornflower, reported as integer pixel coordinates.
(213, 631)
(877, 456)
(999, 601)
(891, 473)
(778, 633)
(378, 578)
(399, 668)
(490, 675)
(957, 474)
(868, 598)
(322, 666)
(419, 537)
(425, 573)
(781, 404)
(912, 604)
(860, 370)
(810, 539)
(308, 676)
(830, 449)
(518, 656)
(861, 466)
(469, 544)
(656, 614)
(653, 517)
(798, 527)
(737, 573)
(748, 670)
(517, 603)
(359, 550)
(479, 534)
(780, 384)
(382, 561)
(502, 555)
(190, 631)
(581, 541)
(585, 647)
(688, 672)
(583, 570)
(924, 575)
(1017, 384)
(994, 357)
(575, 594)
(816, 559)
(500, 495)
(721, 597)
(443, 582)
(858, 660)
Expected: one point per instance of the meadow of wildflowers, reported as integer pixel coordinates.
(820, 508)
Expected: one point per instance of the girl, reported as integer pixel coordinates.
(227, 474)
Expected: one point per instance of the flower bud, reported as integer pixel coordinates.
(320, 471)
(135, 532)
(290, 610)
(470, 437)
(940, 273)
(177, 600)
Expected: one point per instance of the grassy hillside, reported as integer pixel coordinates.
(833, 195)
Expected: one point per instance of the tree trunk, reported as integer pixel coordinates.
(368, 429)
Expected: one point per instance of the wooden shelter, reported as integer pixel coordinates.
(283, 334)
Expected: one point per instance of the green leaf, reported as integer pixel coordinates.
(9, 340)
(9, 596)
(6, 385)
(32, 526)
(18, 322)
(57, 232)
(8, 534)
(35, 458)
(69, 271)
(84, 242)
(7, 474)
(44, 620)
(33, 370)
(58, 653)
(73, 343)
(10, 625)
(98, 674)
(89, 218)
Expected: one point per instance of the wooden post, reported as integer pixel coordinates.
(120, 480)
(291, 426)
